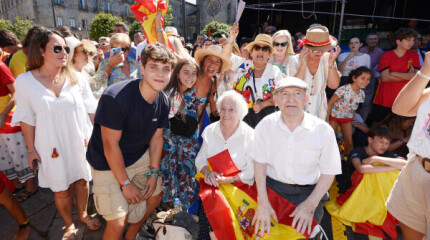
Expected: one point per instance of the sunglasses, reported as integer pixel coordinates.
(124, 49)
(282, 44)
(58, 49)
(258, 48)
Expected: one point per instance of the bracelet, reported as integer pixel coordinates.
(231, 43)
(32, 151)
(125, 183)
(154, 172)
(419, 73)
(25, 224)
(333, 66)
(158, 30)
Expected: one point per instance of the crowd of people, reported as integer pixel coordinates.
(276, 117)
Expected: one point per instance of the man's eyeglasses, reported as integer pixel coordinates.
(258, 48)
(277, 44)
(58, 49)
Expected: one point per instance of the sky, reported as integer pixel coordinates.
(191, 1)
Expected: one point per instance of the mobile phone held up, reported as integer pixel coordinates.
(116, 51)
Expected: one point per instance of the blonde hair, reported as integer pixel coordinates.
(119, 38)
(285, 33)
(36, 60)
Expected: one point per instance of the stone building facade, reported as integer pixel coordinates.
(78, 14)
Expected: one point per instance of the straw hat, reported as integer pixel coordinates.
(213, 50)
(318, 38)
(261, 39)
(73, 43)
(171, 31)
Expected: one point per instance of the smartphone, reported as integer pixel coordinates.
(116, 51)
(35, 167)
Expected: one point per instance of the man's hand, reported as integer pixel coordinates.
(303, 217)
(368, 161)
(132, 194)
(151, 185)
(262, 217)
(224, 180)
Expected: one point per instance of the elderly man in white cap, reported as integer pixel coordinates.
(296, 155)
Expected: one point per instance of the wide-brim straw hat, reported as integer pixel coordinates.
(171, 31)
(318, 38)
(261, 39)
(73, 43)
(213, 50)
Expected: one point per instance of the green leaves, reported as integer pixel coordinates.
(217, 27)
(19, 26)
(102, 25)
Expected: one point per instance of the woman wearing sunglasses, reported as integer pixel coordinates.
(283, 52)
(317, 67)
(409, 200)
(121, 67)
(54, 108)
(255, 79)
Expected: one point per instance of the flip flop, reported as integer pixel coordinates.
(18, 189)
(25, 195)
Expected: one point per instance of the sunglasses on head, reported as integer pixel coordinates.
(58, 49)
(282, 44)
(258, 48)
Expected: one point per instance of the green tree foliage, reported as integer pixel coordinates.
(217, 27)
(135, 26)
(168, 17)
(18, 26)
(102, 25)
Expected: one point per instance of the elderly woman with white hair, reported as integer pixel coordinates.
(232, 134)
(282, 56)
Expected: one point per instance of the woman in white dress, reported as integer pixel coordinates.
(54, 107)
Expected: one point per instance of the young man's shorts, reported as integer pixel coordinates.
(108, 198)
(409, 200)
(341, 120)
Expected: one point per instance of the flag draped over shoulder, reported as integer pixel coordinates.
(363, 205)
(145, 12)
(231, 208)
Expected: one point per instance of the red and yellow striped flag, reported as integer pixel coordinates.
(145, 11)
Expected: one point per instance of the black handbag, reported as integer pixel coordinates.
(186, 125)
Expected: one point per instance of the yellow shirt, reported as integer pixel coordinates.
(18, 63)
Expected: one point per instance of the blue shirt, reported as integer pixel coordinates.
(122, 107)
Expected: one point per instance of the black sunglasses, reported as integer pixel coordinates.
(282, 44)
(124, 49)
(58, 49)
(258, 48)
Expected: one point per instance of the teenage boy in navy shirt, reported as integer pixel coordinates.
(125, 147)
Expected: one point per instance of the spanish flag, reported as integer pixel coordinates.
(145, 11)
(362, 207)
(231, 208)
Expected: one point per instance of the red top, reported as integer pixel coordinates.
(388, 91)
(6, 78)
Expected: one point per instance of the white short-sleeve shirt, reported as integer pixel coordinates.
(354, 62)
(239, 145)
(299, 156)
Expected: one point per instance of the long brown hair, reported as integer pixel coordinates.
(36, 60)
(174, 85)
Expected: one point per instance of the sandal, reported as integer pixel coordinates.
(70, 234)
(25, 195)
(93, 223)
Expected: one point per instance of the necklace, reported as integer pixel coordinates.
(55, 78)
(260, 68)
(277, 64)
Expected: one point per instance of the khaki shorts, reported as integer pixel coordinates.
(409, 200)
(108, 198)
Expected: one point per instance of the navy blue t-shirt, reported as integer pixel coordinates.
(122, 107)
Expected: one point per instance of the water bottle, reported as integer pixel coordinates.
(177, 204)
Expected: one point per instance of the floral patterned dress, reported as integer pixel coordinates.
(177, 161)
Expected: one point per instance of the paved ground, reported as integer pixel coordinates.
(46, 222)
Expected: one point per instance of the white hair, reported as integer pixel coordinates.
(241, 105)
